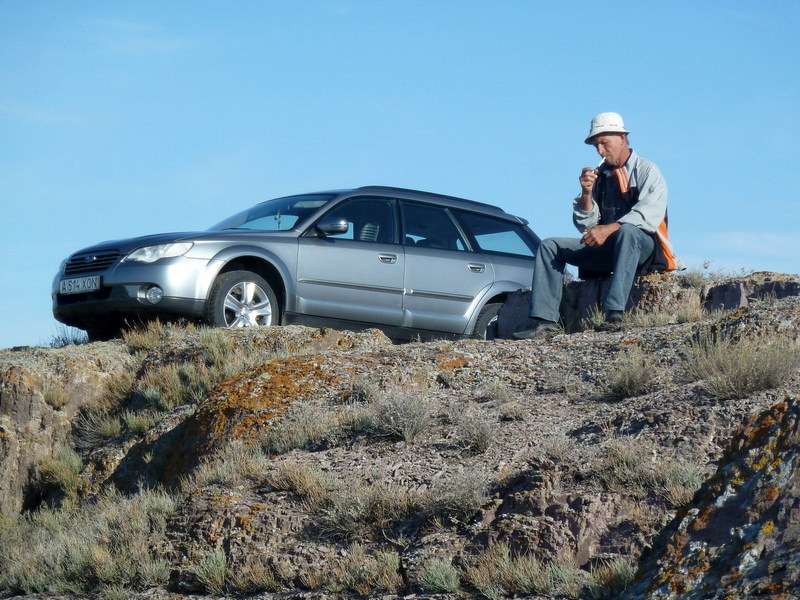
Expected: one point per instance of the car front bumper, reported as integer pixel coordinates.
(123, 293)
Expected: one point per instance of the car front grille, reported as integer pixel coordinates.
(90, 262)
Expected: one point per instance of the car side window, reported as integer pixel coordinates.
(369, 219)
(498, 235)
(430, 227)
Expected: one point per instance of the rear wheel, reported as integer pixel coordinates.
(486, 324)
(242, 299)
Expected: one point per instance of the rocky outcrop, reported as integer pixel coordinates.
(565, 471)
(740, 538)
(657, 293)
(41, 392)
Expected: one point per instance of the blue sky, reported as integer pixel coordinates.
(120, 119)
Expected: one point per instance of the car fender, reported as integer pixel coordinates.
(251, 252)
(498, 289)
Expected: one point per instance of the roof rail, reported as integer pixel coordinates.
(389, 188)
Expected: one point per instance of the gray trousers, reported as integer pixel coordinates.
(621, 255)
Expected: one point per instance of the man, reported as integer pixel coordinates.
(621, 212)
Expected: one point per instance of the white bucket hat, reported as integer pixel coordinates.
(608, 122)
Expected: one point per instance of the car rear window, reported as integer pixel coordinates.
(497, 235)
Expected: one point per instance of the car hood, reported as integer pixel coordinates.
(129, 244)
(125, 246)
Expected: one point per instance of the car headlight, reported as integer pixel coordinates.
(150, 254)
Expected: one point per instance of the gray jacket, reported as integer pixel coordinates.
(649, 210)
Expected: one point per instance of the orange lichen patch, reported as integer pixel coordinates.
(247, 513)
(768, 527)
(702, 520)
(242, 406)
(762, 461)
(772, 493)
(449, 363)
(775, 464)
(18, 377)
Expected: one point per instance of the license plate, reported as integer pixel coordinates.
(80, 285)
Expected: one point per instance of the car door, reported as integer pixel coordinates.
(356, 275)
(443, 279)
(508, 245)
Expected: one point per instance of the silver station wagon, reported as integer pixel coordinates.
(414, 264)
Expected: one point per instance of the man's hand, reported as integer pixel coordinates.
(587, 179)
(596, 236)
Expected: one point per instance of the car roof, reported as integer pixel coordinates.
(442, 199)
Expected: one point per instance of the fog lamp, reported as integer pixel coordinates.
(154, 294)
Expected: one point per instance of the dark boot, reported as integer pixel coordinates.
(540, 328)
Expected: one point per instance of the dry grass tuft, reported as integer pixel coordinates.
(362, 513)
(212, 571)
(497, 573)
(303, 427)
(633, 375)
(95, 426)
(630, 467)
(68, 336)
(610, 579)
(54, 395)
(314, 487)
(235, 465)
(252, 577)
(107, 544)
(155, 334)
(455, 500)
(364, 574)
(730, 369)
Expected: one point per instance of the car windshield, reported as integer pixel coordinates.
(275, 215)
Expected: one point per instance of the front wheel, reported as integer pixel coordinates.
(241, 299)
(486, 324)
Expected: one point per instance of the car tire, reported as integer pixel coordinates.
(242, 299)
(486, 324)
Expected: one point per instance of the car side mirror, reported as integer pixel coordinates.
(333, 226)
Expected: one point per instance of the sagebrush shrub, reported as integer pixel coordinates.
(60, 471)
(475, 431)
(455, 499)
(401, 415)
(212, 571)
(440, 576)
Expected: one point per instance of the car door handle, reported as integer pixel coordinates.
(476, 267)
(387, 258)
